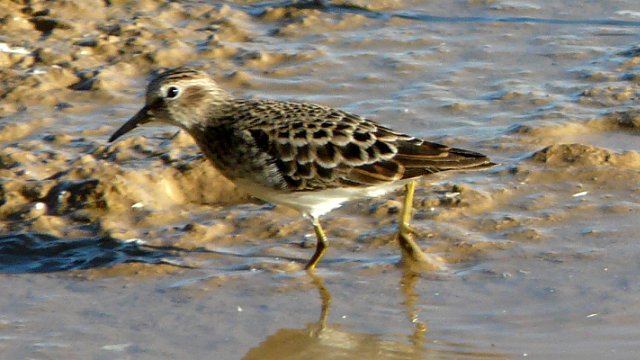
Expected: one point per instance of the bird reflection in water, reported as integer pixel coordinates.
(321, 340)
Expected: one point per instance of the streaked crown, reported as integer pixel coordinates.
(184, 97)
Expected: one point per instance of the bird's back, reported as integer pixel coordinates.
(306, 147)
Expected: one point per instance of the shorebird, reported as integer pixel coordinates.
(309, 157)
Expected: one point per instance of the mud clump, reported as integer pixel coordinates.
(585, 155)
(628, 120)
(97, 190)
(67, 196)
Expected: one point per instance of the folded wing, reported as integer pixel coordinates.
(315, 147)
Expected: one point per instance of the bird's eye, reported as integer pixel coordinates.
(172, 92)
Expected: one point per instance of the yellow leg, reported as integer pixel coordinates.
(413, 258)
(407, 207)
(321, 246)
(410, 250)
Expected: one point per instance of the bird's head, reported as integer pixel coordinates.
(182, 97)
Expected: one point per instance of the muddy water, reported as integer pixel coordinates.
(140, 249)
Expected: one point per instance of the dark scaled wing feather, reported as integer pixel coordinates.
(316, 147)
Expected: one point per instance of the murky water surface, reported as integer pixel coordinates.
(141, 250)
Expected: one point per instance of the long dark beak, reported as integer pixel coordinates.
(142, 117)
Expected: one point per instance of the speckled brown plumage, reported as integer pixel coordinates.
(306, 147)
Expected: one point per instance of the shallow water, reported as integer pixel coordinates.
(139, 249)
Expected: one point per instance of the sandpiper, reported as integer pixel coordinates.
(309, 157)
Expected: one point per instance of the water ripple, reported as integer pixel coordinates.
(41, 253)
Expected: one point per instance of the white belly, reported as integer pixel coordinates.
(319, 202)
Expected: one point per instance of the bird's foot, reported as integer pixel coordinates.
(414, 259)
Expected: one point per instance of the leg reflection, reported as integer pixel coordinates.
(407, 287)
(325, 297)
